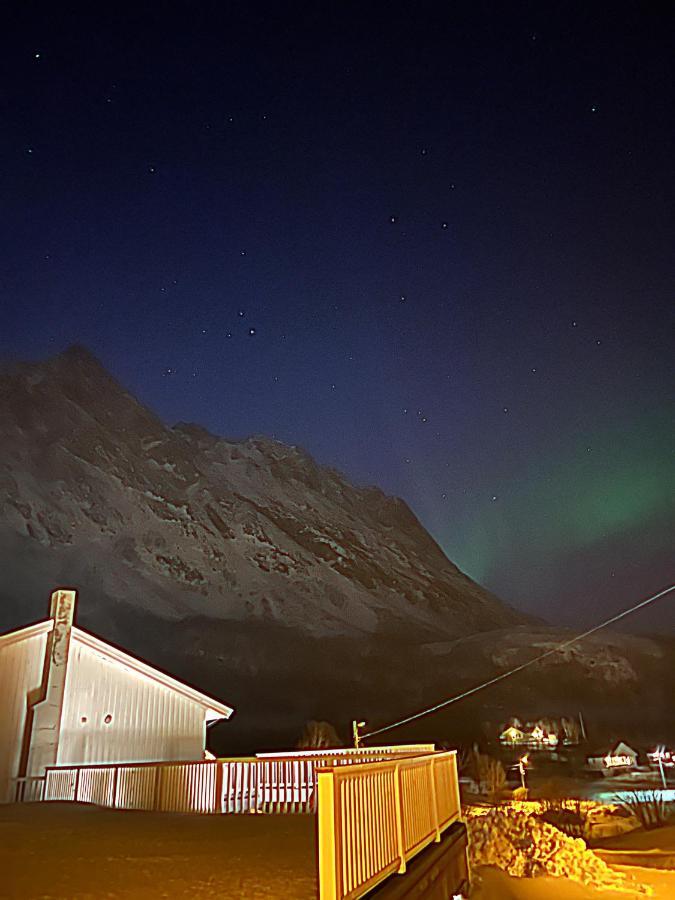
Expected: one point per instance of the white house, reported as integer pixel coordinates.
(69, 698)
(617, 761)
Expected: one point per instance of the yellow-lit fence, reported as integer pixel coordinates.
(374, 817)
(272, 783)
(28, 789)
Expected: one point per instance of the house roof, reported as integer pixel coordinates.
(618, 748)
(213, 709)
(21, 634)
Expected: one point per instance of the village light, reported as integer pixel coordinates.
(355, 731)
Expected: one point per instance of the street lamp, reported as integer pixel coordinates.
(355, 731)
(522, 768)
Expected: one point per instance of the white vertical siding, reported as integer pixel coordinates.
(149, 721)
(21, 663)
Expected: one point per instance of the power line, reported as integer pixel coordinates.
(491, 681)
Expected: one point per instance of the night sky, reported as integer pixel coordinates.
(433, 244)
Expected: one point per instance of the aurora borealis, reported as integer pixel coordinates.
(434, 247)
(612, 502)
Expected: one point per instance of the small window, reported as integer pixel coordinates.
(83, 720)
(108, 719)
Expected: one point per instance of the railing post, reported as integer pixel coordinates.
(116, 776)
(398, 811)
(218, 788)
(158, 789)
(434, 801)
(327, 837)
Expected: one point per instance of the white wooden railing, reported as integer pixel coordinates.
(28, 789)
(275, 783)
(374, 817)
(377, 808)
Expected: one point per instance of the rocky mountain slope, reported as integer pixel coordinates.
(270, 581)
(178, 522)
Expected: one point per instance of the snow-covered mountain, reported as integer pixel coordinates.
(270, 581)
(95, 490)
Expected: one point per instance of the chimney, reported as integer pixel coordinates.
(48, 705)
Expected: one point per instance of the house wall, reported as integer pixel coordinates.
(148, 721)
(21, 665)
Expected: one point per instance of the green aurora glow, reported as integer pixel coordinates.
(624, 484)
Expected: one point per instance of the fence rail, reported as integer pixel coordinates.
(272, 783)
(29, 789)
(374, 817)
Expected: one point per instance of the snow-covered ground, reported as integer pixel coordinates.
(497, 885)
(60, 851)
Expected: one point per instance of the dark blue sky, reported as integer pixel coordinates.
(448, 226)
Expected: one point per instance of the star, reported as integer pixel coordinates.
(534, 369)
(241, 313)
(598, 342)
(243, 253)
(444, 225)
(402, 298)
(37, 56)
(251, 331)
(151, 170)
(505, 409)
(574, 323)
(494, 498)
(393, 219)
(228, 334)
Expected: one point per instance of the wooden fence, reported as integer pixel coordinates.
(272, 783)
(374, 817)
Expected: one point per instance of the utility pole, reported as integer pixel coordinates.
(659, 755)
(355, 732)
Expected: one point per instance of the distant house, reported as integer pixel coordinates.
(69, 698)
(530, 735)
(512, 735)
(616, 761)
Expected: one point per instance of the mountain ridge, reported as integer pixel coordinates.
(233, 528)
